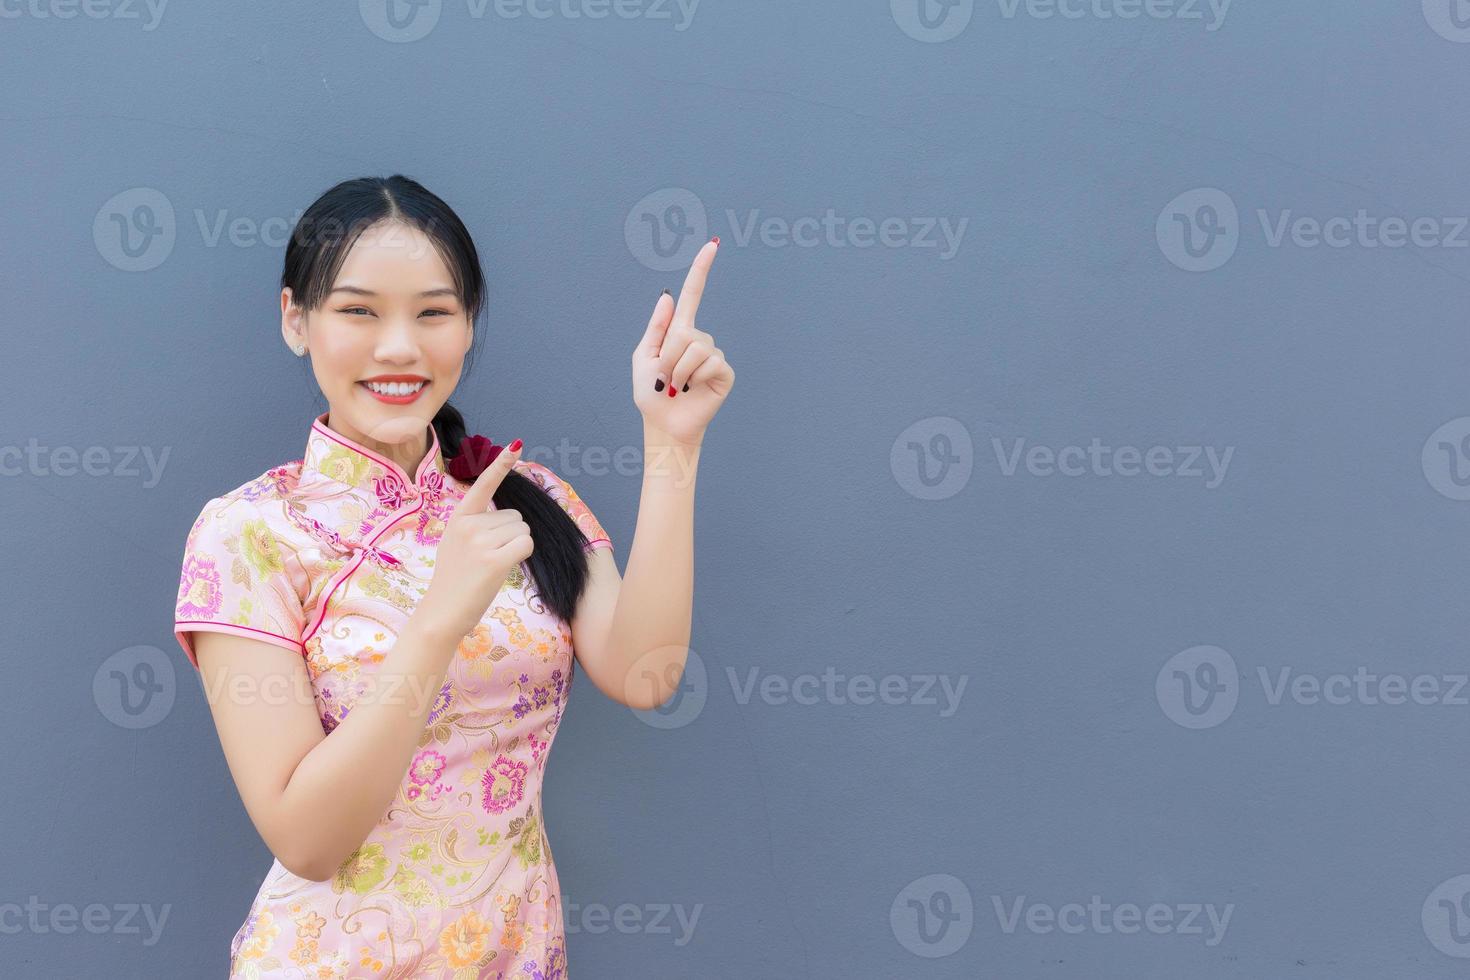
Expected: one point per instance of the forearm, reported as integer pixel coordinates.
(649, 635)
(346, 783)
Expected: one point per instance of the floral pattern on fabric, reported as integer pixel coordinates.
(328, 556)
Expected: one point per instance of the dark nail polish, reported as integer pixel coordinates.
(658, 384)
(668, 292)
(685, 388)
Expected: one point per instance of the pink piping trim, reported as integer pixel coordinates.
(233, 629)
(344, 576)
(320, 425)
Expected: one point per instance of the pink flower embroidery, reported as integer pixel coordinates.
(427, 767)
(503, 784)
(389, 490)
(199, 589)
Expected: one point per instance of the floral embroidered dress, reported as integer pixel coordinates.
(328, 556)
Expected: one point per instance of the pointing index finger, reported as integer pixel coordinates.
(693, 288)
(477, 497)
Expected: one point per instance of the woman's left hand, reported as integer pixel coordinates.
(694, 373)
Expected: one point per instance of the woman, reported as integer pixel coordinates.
(418, 596)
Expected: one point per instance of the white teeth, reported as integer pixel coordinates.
(394, 387)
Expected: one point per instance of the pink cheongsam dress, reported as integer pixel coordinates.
(328, 556)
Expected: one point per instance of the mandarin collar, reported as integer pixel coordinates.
(333, 457)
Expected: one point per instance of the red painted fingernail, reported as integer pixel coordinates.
(673, 391)
(514, 446)
(716, 239)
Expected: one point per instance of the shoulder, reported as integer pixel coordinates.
(542, 475)
(547, 479)
(264, 499)
(567, 497)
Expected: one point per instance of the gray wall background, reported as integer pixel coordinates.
(858, 513)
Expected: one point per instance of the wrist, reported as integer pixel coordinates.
(653, 436)
(428, 631)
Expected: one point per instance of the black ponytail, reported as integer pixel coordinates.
(319, 244)
(558, 564)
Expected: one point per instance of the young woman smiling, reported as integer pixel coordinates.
(425, 597)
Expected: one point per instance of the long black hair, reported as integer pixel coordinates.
(323, 236)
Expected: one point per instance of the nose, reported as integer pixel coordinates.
(397, 343)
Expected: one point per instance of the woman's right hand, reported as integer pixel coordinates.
(479, 548)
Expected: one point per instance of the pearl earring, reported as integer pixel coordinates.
(300, 349)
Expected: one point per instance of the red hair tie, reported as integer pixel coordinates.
(475, 453)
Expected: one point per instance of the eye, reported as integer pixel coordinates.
(440, 312)
(353, 309)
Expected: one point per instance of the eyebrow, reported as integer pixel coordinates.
(359, 291)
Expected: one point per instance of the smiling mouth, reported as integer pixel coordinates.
(395, 392)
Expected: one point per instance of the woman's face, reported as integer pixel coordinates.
(392, 315)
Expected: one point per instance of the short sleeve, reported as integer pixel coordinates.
(236, 579)
(561, 491)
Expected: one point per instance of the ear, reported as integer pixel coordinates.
(291, 326)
